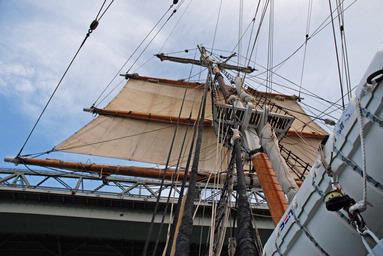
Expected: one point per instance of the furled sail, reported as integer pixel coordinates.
(144, 133)
(300, 146)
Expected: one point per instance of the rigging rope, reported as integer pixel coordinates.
(181, 193)
(306, 40)
(201, 232)
(281, 107)
(151, 40)
(251, 24)
(171, 187)
(252, 30)
(213, 213)
(337, 54)
(257, 33)
(59, 172)
(185, 232)
(346, 64)
(270, 48)
(144, 252)
(103, 13)
(240, 21)
(216, 27)
(142, 52)
(191, 68)
(177, 23)
(246, 243)
(258, 30)
(307, 92)
(96, 102)
(324, 113)
(260, 83)
(92, 27)
(320, 28)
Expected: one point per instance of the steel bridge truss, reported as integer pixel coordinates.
(111, 187)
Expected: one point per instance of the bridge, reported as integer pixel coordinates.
(52, 212)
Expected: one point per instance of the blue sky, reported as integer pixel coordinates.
(38, 38)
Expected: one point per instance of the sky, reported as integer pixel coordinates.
(38, 39)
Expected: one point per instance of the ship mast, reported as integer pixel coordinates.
(252, 136)
(247, 127)
(246, 243)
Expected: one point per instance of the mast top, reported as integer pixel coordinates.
(205, 61)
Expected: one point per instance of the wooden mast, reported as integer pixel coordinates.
(268, 181)
(183, 239)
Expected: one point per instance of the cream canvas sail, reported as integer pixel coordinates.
(147, 140)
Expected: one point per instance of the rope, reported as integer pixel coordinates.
(110, 140)
(252, 22)
(240, 21)
(258, 30)
(323, 113)
(92, 27)
(145, 48)
(213, 215)
(246, 243)
(309, 93)
(191, 68)
(300, 102)
(144, 253)
(155, 35)
(103, 13)
(201, 232)
(362, 204)
(171, 187)
(200, 199)
(346, 64)
(297, 118)
(337, 54)
(252, 30)
(309, 235)
(177, 23)
(131, 55)
(181, 193)
(172, 215)
(354, 167)
(322, 26)
(184, 236)
(216, 27)
(270, 50)
(212, 242)
(305, 48)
